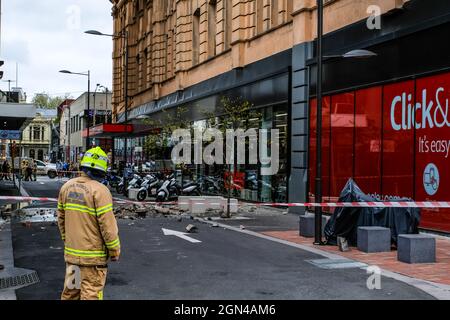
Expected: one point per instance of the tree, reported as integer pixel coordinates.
(45, 101)
(235, 113)
(157, 143)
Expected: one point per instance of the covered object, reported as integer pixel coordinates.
(345, 221)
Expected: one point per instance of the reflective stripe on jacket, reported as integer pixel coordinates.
(87, 223)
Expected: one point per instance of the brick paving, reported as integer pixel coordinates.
(438, 272)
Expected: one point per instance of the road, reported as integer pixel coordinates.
(224, 265)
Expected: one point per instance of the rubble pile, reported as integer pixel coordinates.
(36, 215)
(135, 211)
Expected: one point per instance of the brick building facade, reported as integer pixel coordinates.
(190, 53)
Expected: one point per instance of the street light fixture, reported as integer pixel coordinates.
(320, 57)
(122, 35)
(87, 74)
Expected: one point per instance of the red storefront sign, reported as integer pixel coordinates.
(394, 140)
(237, 180)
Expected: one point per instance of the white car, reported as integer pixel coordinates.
(48, 169)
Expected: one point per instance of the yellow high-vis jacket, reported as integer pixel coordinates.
(87, 223)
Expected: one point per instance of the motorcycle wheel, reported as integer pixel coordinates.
(119, 189)
(160, 198)
(142, 195)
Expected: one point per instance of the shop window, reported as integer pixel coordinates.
(326, 118)
(212, 27)
(342, 130)
(398, 155)
(368, 140)
(432, 177)
(32, 153)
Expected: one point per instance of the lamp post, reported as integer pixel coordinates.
(87, 74)
(359, 53)
(122, 35)
(318, 191)
(95, 107)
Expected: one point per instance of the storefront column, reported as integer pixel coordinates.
(298, 180)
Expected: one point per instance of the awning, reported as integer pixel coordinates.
(109, 131)
(16, 116)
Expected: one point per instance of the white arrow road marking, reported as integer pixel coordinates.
(179, 234)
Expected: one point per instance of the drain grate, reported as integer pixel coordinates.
(18, 281)
(336, 263)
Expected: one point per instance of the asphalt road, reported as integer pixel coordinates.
(224, 265)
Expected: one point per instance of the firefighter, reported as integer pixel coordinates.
(88, 228)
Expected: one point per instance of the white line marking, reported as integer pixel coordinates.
(179, 234)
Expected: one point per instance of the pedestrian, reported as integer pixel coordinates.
(88, 228)
(28, 171)
(8, 171)
(35, 170)
(66, 169)
(59, 168)
(4, 174)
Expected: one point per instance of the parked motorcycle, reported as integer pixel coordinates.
(134, 183)
(149, 183)
(112, 179)
(212, 184)
(171, 189)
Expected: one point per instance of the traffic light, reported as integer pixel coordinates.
(1, 72)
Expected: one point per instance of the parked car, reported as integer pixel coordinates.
(48, 169)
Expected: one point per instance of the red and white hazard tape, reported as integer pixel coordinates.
(388, 204)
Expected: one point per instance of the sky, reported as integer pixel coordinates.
(45, 36)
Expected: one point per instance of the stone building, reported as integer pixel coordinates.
(36, 138)
(190, 53)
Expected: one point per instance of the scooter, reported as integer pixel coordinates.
(168, 189)
(211, 184)
(134, 183)
(150, 182)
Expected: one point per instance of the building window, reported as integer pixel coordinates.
(274, 13)
(67, 128)
(196, 37)
(228, 25)
(32, 153)
(212, 27)
(259, 16)
(40, 155)
(37, 133)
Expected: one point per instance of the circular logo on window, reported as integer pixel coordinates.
(431, 179)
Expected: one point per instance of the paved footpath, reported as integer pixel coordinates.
(429, 276)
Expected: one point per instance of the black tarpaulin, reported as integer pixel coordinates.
(345, 221)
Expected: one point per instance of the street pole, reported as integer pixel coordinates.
(89, 110)
(126, 93)
(318, 191)
(126, 107)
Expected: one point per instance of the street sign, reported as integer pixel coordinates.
(10, 134)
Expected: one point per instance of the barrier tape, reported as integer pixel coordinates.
(388, 204)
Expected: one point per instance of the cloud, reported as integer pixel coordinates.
(17, 50)
(46, 36)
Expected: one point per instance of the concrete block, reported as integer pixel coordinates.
(132, 194)
(183, 202)
(307, 225)
(416, 248)
(197, 205)
(374, 239)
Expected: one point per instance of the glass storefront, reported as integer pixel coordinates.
(248, 182)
